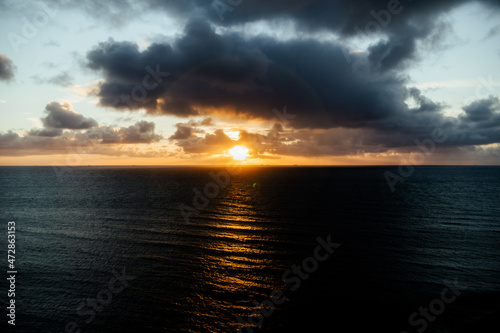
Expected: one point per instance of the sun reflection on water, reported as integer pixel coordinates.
(235, 264)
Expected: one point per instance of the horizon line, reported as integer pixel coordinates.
(248, 166)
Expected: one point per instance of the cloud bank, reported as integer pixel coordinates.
(67, 131)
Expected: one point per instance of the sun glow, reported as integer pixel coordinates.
(239, 153)
(233, 135)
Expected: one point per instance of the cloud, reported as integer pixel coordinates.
(339, 16)
(105, 140)
(187, 130)
(483, 113)
(344, 102)
(183, 132)
(402, 23)
(211, 143)
(277, 141)
(280, 142)
(210, 72)
(66, 131)
(62, 115)
(204, 122)
(7, 68)
(140, 132)
(63, 79)
(493, 32)
(425, 104)
(478, 126)
(51, 42)
(46, 132)
(395, 53)
(218, 138)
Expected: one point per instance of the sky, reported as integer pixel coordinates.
(302, 82)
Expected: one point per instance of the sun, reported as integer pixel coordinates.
(239, 153)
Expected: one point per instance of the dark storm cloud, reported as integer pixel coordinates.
(403, 22)
(342, 16)
(363, 96)
(483, 113)
(7, 68)
(394, 53)
(208, 72)
(425, 104)
(63, 116)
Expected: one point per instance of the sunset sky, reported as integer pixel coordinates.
(304, 82)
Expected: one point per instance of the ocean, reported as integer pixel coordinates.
(270, 249)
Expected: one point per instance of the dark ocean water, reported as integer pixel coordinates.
(75, 231)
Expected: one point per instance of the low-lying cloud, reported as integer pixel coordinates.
(67, 131)
(62, 115)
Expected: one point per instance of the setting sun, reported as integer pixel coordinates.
(239, 153)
